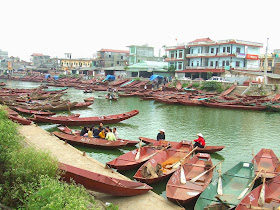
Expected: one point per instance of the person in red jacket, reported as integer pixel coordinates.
(200, 142)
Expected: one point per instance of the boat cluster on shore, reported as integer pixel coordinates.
(189, 170)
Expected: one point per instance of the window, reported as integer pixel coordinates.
(192, 63)
(237, 63)
(198, 50)
(216, 63)
(224, 49)
(192, 51)
(197, 63)
(112, 64)
(211, 63)
(212, 50)
(172, 54)
(180, 54)
(61, 63)
(118, 62)
(269, 63)
(180, 65)
(121, 57)
(228, 49)
(223, 63)
(227, 63)
(238, 50)
(109, 56)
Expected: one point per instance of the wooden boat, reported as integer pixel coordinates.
(160, 161)
(190, 102)
(183, 193)
(59, 107)
(90, 99)
(90, 142)
(28, 111)
(101, 183)
(272, 196)
(70, 121)
(268, 161)
(127, 161)
(234, 181)
(206, 149)
(2, 83)
(88, 91)
(82, 105)
(233, 106)
(76, 132)
(20, 120)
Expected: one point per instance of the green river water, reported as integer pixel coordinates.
(239, 131)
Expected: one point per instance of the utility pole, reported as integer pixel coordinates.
(265, 63)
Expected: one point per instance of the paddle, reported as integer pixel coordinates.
(182, 175)
(261, 200)
(248, 187)
(177, 164)
(200, 175)
(220, 186)
(137, 156)
(147, 158)
(71, 131)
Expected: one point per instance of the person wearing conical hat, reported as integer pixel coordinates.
(200, 142)
(161, 135)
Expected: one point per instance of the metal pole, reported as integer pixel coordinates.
(265, 64)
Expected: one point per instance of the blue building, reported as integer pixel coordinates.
(205, 57)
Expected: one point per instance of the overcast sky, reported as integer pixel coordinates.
(83, 27)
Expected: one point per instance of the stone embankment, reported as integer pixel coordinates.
(65, 153)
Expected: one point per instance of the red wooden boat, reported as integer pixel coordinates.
(10, 112)
(19, 119)
(2, 83)
(190, 102)
(75, 132)
(82, 105)
(127, 161)
(233, 106)
(183, 193)
(164, 159)
(272, 196)
(69, 121)
(90, 142)
(268, 161)
(28, 111)
(206, 149)
(90, 99)
(101, 183)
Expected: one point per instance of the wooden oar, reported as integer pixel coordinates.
(261, 200)
(71, 131)
(200, 175)
(182, 175)
(220, 186)
(249, 186)
(177, 164)
(150, 156)
(137, 156)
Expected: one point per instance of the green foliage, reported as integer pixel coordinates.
(171, 69)
(22, 173)
(196, 85)
(212, 86)
(112, 207)
(52, 194)
(185, 85)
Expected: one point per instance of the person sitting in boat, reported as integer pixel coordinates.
(200, 142)
(161, 135)
(110, 136)
(102, 134)
(115, 132)
(84, 131)
(90, 132)
(29, 99)
(96, 132)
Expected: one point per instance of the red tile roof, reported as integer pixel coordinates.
(37, 54)
(203, 40)
(116, 51)
(201, 70)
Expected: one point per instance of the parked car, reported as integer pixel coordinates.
(199, 79)
(216, 79)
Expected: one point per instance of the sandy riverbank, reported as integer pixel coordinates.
(65, 153)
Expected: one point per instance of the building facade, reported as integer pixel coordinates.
(138, 53)
(205, 57)
(75, 66)
(110, 58)
(176, 58)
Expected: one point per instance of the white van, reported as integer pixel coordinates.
(217, 79)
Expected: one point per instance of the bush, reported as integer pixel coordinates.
(52, 194)
(22, 173)
(195, 85)
(212, 86)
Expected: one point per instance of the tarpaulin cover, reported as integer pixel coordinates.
(56, 77)
(110, 77)
(155, 76)
(47, 76)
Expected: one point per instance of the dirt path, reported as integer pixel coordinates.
(65, 153)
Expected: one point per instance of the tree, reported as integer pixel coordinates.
(171, 69)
